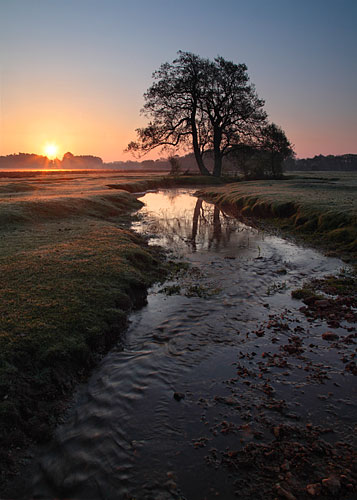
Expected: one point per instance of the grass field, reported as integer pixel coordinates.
(320, 207)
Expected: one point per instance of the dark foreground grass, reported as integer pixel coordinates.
(68, 279)
(322, 211)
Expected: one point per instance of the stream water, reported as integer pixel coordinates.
(192, 378)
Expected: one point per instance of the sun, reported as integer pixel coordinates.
(51, 150)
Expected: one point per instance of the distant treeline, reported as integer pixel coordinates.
(186, 162)
(347, 162)
(69, 161)
(243, 162)
(24, 160)
(33, 161)
(161, 164)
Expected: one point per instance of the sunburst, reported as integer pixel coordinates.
(51, 150)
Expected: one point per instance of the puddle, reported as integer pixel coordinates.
(204, 370)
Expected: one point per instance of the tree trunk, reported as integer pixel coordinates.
(217, 170)
(273, 164)
(201, 166)
(196, 149)
(217, 138)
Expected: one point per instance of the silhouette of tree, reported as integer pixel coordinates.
(175, 165)
(277, 146)
(264, 159)
(346, 162)
(82, 161)
(208, 105)
(23, 161)
(68, 157)
(242, 156)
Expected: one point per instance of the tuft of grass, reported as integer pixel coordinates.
(204, 292)
(177, 267)
(344, 284)
(304, 293)
(171, 290)
(276, 288)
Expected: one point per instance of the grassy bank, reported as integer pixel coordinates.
(70, 273)
(321, 209)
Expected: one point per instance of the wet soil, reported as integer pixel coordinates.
(226, 386)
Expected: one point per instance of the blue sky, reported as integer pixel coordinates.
(74, 71)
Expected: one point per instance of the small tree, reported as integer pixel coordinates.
(241, 157)
(208, 105)
(175, 165)
(277, 147)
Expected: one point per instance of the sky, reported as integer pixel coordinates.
(73, 72)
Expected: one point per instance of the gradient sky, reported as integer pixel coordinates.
(74, 71)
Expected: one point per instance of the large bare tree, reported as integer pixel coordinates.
(210, 106)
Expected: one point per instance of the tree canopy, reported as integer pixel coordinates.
(277, 146)
(209, 106)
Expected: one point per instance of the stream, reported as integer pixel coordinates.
(203, 371)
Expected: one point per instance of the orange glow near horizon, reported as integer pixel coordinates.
(51, 150)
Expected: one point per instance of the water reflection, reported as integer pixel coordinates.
(186, 223)
(203, 216)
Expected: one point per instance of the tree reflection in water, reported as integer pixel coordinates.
(206, 222)
(185, 223)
